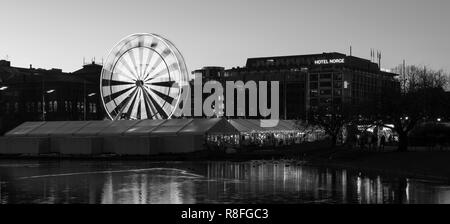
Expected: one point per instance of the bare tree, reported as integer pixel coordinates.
(332, 119)
(422, 98)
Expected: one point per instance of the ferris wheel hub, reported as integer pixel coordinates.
(139, 83)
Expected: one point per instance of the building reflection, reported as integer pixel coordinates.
(147, 188)
(213, 182)
(303, 184)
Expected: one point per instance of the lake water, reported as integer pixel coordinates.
(28, 181)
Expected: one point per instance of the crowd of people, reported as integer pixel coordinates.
(371, 140)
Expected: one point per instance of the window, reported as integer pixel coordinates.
(337, 101)
(314, 93)
(50, 106)
(55, 106)
(337, 76)
(338, 85)
(337, 92)
(325, 100)
(325, 76)
(325, 92)
(313, 85)
(313, 77)
(325, 84)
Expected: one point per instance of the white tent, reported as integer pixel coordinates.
(112, 136)
(20, 141)
(172, 136)
(64, 142)
(124, 137)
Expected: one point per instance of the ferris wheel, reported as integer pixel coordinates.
(142, 78)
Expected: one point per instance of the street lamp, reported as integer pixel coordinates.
(3, 88)
(439, 120)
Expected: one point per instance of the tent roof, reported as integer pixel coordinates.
(171, 127)
(118, 127)
(251, 125)
(144, 127)
(210, 126)
(47, 128)
(147, 127)
(24, 129)
(70, 128)
(93, 128)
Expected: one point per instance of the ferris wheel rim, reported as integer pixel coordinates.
(181, 79)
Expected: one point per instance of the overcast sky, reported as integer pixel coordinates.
(58, 34)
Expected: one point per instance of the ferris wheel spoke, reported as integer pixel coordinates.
(115, 95)
(128, 100)
(163, 96)
(110, 82)
(148, 97)
(132, 56)
(123, 75)
(157, 75)
(128, 68)
(159, 62)
(147, 63)
(168, 84)
(141, 60)
(130, 106)
(157, 106)
(144, 109)
(138, 102)
(161, 113)
(118, 110)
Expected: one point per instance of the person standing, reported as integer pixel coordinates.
(382, 142)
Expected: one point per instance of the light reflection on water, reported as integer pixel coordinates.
(140, 182)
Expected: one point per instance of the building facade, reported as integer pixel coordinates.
(33, 94)
(309, 82)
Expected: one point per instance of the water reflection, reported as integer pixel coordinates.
(205, 182)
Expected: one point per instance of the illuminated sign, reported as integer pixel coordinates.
(329, 61)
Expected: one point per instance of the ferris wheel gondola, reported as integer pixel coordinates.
(143, 78)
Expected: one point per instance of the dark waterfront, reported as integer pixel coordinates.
(204, 182)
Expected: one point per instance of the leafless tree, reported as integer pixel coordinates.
(422, 98)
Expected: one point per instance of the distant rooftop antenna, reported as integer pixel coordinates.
(379, 60)
(371, 55)
(404, 74)
(84, 61)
